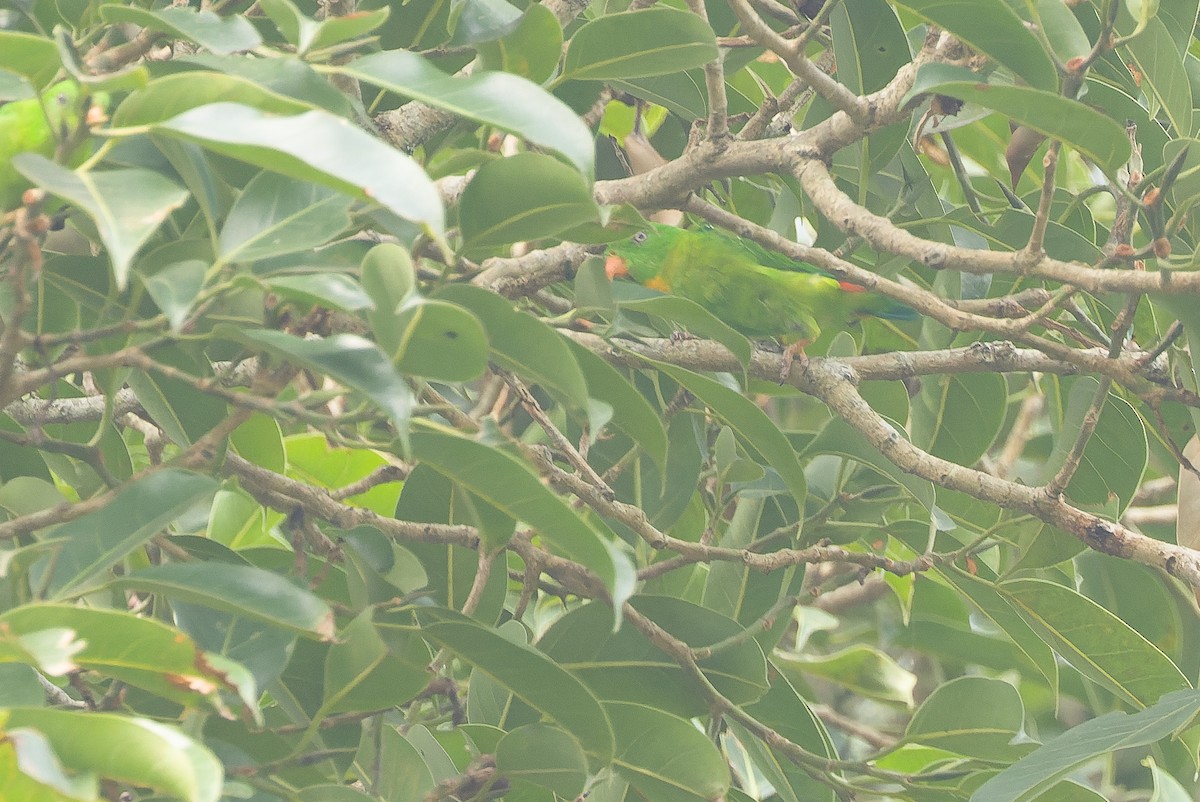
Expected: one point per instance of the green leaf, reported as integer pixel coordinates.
(1095, 642)
(275, 215)
(956, 417)
(348, 358)
(527, 196)
(315, 146)
(529, 675)
(973, 716)
(752, 426)
(634, 44)
(1163, 75)
(632, 413)
(142, 652)
(625, 666)
(174, 289)
(92, 543)
(784, 710)
(332, 290)
(992, 28)
(127, 206)
(540, 754)
(499, 99)
(240, 589)
(1115, 456)
(523, 344)
(133, 751)
(1033, 774)
(696, 319)
(34, 57)
(861, 669)
(363, 673)
(1063, 30)
(171, 95)
(531, 50)
(510, 486)
(223, 35)
(649, 746)
(1093, 134)
(440, 340)
(474, 21)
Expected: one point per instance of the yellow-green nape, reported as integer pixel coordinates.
(39, 125)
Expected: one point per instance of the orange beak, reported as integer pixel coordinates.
(615, 266)
(96, 115)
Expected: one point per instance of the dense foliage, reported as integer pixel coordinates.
(333, 468)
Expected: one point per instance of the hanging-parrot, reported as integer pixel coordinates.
(37, 125)
(758, 292)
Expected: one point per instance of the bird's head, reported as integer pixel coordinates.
(641, 256)
(67, 105)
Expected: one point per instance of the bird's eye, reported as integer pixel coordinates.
(639, 238)
(62, 99)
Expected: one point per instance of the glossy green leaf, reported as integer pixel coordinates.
(1096, 136)
(634, 44)
(34, 57)
(142, 652)
(362, 673)
(275, 215)
(315, 146)
(1033, 774)
(441, 340)
(649, 745)
(861, 669)
(130, 750)
(240, 589)
(696, 319)
(993, 28)
(756, 431)
(348, 358)
(173, 94)
(308, 34)
(29, 769)
(331, 290)
(499, 99)
(523, 344)
(1162, 74)
(625, 666)
(223, 35)
(510, 486)
(543, 755)
(784, 710)
(127, 206)
(632, 413)
(956, 417)
(973, 716)
(92, 543)
(1095, 642)
(1115, 456)
(531, 50)
(524, 197)
(683, 93)
(1063, 30)
(175, 287)
(531, 677)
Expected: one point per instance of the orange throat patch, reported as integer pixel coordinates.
(658, 283)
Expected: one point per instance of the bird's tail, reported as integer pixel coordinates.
(876, 305)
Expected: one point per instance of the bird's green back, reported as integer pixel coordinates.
(789, 300)
(37, 125)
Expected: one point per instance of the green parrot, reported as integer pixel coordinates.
(758, 292)
(37, 125)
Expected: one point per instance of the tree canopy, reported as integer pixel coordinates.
(333, 466)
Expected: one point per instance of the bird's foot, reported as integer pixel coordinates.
(793, 353)
(680, 336)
